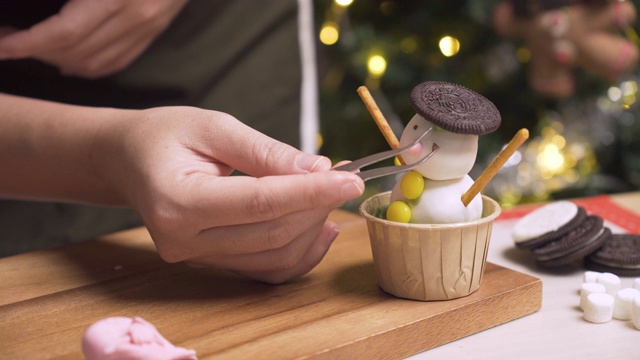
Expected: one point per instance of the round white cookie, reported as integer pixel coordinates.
(440, 202)
(454, 159)
(544, 220)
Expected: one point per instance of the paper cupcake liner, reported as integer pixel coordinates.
(429, 262)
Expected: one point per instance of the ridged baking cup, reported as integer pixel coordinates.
(429, 262)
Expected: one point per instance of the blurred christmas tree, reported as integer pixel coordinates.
(580, 145)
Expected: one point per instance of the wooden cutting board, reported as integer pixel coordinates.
(48, 299)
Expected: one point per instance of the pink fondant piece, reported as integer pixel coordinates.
(122, 338)
(415, 149)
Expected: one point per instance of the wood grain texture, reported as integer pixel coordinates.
(48, 299)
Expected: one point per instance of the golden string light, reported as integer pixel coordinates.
(344, 3)
(329, 33)
(449, 46)
(376, 65)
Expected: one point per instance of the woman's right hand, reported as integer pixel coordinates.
(172, 164)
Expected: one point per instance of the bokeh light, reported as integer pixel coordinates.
(376, 65)
(329, 33)
(449, 46)
(523, 55)
(409, 44)
(344, 3)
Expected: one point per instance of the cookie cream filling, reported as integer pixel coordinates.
(544, 220)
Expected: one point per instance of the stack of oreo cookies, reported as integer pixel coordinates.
(562, 233)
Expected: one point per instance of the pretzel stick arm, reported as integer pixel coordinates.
(521, 136)
(380, 120)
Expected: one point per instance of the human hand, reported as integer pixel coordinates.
(270, 226)
(578, 35)
(92, 38)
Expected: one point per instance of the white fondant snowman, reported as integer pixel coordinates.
(431, 193)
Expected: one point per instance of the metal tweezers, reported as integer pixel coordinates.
(356, 165)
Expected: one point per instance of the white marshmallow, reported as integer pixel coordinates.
(636, 283)
(635, 312)
(598, 308)
(440, 202)
(591, 276)
(610, 281)
(454, 159)
(623, 303)
(587, 289)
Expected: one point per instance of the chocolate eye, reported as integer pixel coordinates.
(415, 127)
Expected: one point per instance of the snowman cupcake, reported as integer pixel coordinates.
(429, 245)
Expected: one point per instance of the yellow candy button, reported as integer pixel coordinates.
(412, 185)
(399, 211)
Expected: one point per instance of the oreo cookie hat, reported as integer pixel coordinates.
(455, 108)
(620, 255)
(546, 224)
(575, 245)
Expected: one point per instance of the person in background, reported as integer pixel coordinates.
(120, 113)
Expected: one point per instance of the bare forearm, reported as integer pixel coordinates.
(51, 151)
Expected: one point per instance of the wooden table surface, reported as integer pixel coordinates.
(48, 298)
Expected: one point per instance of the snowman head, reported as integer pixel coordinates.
(454, 159)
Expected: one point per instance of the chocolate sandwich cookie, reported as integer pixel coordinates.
(588, 237)
(620, 255)
(547, 223)
(455, 108)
